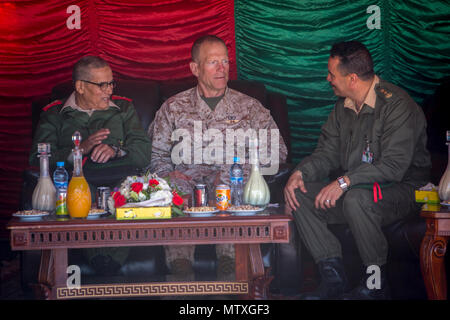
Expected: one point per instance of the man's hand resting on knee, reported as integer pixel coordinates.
(295, 182)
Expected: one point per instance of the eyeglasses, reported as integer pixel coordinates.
(103, 85)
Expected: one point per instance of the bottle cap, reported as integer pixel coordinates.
(236, 159)
(60, 164)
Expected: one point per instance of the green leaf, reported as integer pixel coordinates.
(177, 212)
(134, 196)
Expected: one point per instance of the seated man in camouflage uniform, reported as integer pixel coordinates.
(111, 131)
(375, 136)
(210, 105)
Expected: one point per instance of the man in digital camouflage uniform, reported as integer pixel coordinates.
(210, 105)
(112, 135)
(374, 136)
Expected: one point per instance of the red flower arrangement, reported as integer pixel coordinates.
(177, 200)
(138, 189)
(119, 199)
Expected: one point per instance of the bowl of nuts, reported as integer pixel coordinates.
(30, 215)
(200, 212)
(244, 210)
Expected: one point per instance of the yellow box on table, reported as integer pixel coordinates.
(135, 213)
(427, 196)
(431, 207)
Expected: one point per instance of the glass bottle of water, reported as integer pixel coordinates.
(236, 182)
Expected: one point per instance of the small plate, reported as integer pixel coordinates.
(447, 204)
(201, 214)
(245, 212)
(94, 214)
(30, 215)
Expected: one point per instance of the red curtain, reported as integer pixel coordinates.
(40, 42)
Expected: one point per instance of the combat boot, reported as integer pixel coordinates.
(333, 281)
(367, 289)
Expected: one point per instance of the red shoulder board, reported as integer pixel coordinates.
(114, 97)
(54, 103)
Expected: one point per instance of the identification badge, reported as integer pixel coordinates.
(367, 155)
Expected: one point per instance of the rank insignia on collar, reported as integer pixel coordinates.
(386, 93)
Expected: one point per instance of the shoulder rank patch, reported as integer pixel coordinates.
(114, 97)
(52, 104)
(386, 93)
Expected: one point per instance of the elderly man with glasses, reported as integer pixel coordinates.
(114, 143)
(110, 128)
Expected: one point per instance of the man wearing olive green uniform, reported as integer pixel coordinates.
(375, 134)
(112, 136)
(127, 139)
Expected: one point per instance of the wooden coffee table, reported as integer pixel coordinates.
(54, 238)
(432, 252)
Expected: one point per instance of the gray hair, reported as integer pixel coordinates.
(82, 69)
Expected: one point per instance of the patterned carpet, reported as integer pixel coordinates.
(11, 287)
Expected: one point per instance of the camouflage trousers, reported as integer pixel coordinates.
(187, 252)
(210, 177)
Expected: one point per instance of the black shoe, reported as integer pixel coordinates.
(363, 292)
(333, 281)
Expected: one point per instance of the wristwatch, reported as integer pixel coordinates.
(117, 151)
(342, 183)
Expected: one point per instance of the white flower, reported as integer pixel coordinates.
(161, 195)
(142, 196)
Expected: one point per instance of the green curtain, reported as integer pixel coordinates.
(286, 44)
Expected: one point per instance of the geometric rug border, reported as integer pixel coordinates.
(153, 289)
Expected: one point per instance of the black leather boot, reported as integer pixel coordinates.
(363, 292)
(333, 281)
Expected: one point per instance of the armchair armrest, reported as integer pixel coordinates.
(277, 182)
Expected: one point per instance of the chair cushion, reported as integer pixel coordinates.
(253, 89)
(172, 87)
(145, 96)
(36, 108)
(279, 111)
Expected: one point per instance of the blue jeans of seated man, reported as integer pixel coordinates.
(357, 208)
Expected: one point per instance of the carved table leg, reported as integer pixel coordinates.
(432, 254)
(42, 288)
(250, 268)
(52, 273)
(241, 262)
(260, 281)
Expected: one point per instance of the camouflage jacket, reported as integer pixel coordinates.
(188, 136)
